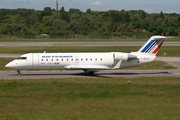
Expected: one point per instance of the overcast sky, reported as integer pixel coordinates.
(150, 6)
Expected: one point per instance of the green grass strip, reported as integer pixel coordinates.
(130, 39)
(91, 99)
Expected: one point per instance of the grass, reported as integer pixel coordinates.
(171, 51)
(50, 49)
(3, 62)
(80, 40)
(156, 65)
(70, 40)
(91, 99)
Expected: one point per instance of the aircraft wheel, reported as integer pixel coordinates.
(91, 73)
(19, 74)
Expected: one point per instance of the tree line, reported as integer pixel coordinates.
(89, 23)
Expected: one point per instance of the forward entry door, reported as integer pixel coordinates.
(35, 58)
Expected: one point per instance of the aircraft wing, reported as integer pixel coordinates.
(87, 67)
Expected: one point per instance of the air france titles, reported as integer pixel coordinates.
(58, 56)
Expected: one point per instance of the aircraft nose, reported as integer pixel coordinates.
(9, 65)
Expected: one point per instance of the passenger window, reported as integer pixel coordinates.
(81, 59)
(96, 59)
(91, 59)
(71, 59)
(86, 59)
(46, 59)
(101, 59)
(56, 59)
(41, 59)
(51, 59)
(61, 59)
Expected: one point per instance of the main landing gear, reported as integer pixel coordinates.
(91, 73)
(19, 73)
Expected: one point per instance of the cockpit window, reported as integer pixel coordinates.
(21, 58)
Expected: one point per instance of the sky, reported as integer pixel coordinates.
(150, 6)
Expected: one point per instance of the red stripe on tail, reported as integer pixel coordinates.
(157, 49)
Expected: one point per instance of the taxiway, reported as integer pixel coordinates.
(6, 75)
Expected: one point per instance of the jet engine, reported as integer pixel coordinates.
(124, 56)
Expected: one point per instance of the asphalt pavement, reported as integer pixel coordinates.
(6, 75)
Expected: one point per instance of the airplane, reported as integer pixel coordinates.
(88, 62)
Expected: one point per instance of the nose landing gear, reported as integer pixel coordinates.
(19, 73)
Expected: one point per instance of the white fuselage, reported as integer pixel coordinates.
(78, 61)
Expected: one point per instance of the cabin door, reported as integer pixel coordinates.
(35, 58)
(77, 59)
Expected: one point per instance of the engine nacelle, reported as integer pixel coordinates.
(124, 56)
(121, 56)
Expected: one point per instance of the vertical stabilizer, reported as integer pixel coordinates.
(153, 45)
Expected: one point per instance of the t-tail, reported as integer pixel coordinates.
(153, 45)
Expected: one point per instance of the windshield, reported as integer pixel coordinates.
(21, 58)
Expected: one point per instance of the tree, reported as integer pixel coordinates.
(47, 12)
(173, 31)
(178, 19)
(47, 9)
(60, 24)
(117, 16)
(161, 15)
(33, 19)
(74, 11)
(47, 20)
(85, 25)
(127, 17)
(62, 10)
(143, 15)
(65, 17)
(88, 11)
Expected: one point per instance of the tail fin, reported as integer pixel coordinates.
(153, 45)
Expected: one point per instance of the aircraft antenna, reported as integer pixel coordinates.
(57, 3)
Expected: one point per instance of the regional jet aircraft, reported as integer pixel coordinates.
(88, 62)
